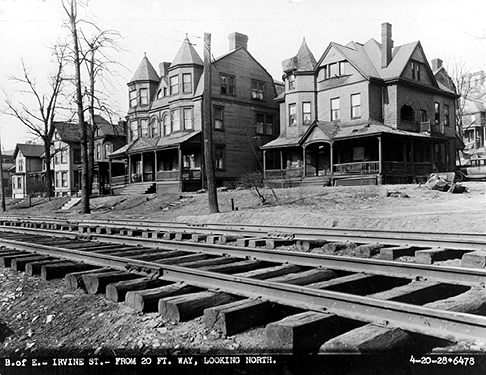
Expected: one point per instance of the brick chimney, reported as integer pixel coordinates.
(238, 40)
(163, 68)
(386, 44)
(436, 64)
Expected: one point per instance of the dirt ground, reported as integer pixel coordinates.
(39, 317)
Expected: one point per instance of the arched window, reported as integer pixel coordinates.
(406, 113)
(166, 122)
(154, 127)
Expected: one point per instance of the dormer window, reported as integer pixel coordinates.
(336, 69)
(159, 94)
(416, 70)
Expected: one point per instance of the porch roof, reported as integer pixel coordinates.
(282, 142)
(152, 144)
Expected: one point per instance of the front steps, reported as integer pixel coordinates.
(71, 203)
(139, 188)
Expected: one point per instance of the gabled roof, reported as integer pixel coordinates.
(187, 55)
(145, 72)
(105, 128)
(304, 61)
(68, 132)
(28, 150)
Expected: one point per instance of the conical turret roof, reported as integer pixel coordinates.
(145, 72)
(304, 60)
(187, 54)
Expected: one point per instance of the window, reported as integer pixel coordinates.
(58, 179)
(174, 85)
(56, 157)
(335, 109)
(98, 152)
(336, 69)
(219, 156)
(257, 90)
(189, 161)
(227, 84)
(306, 113)
(264, 124)
(291, 82)
(416, 70)
(437, 113)
(423, 115)
(407, 113)
(166, 124)
(175, 121)
(292, 114)
(144, 128)
(107, 147)
(446, 115)
(64, 155)
(187, 118)
(218, 118)
(21, 164)
(154, 127)
(133, 130)
(355, 106)
(133, 98)
(77, 155)
(19, 182)
(143, 97)
(187, 82)
(159, 94)
(64, 179)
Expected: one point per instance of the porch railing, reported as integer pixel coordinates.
(119, 180)
(357, 168)
(284, 173)
(407, 167)
(167, 175)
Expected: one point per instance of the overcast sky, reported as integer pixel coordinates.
(452, 30)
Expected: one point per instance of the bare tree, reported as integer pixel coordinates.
(97, 63)
(71, 9)
(40, 121)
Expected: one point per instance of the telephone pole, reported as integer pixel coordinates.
(2, 188)
(208, 128)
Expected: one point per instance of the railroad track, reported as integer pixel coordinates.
(325, 303)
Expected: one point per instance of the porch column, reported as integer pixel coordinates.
(141, 166)
(129, 168)
(179, 152)
(281, 160)
(475, 136)
(380, 161)
(109, 175)
(264, 163)
(412, 156)
(303, 162)
(156, 166)
(331, 158)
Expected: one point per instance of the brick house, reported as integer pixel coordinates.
(165, 118)
(362, 113)
(28, 172)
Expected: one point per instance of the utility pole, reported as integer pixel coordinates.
(208, 128)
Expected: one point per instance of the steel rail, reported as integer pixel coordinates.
(444, 324)
(462, 241)
(451, 275)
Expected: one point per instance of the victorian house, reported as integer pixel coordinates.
(66, 159)
(362, 114)
(165, 149)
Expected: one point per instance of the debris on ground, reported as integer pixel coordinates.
(397, 194)
(437, 182)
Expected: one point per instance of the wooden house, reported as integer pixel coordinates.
(28, 173)
(362, 114)
(165, 119)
